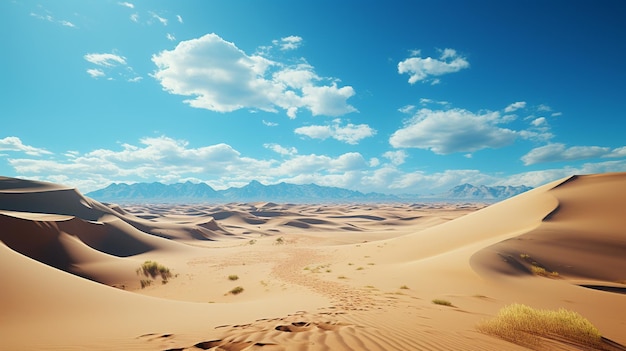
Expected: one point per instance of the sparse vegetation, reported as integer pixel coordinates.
(233, 277)
(342, 277)
(538, 269)
(252, 242)
(360, 268)
(280, 241)
(236, 290)
(404, 287)
(526, 326)
(442, 302)
(152, 269)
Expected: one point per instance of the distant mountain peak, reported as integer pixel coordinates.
(469, 191)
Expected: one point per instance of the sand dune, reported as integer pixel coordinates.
(311, 276)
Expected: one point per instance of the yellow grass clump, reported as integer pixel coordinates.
(524, 325)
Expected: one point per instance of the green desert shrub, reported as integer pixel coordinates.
(233, 277)
(525, 326)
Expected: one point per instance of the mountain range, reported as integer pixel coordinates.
(283, 192)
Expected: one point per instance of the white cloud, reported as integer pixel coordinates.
(220, 77)
(170, 37)
(515, 106)
(396, 157)
(50, 18)
(127, 4)
(162, 20)
(67, 24)
(179, 18)
(557, 152)
(291, 42)
(422, 69)
(455, 130)
(134, 17)
(12, 143)
(315, 132)
(349, 133)
(105, 60)
(281, 149)
(269, 123)
(538, 122)
(374, 162)
(407, 109)
(95, 73)
(168, 160)
(309, 164)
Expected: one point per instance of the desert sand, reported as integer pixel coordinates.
(313, 276)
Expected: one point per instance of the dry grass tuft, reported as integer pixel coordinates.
(526, 326)
(442, 302)
(236, 290)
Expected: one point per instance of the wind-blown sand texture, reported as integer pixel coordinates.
(314, 277)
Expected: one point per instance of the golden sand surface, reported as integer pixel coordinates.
(268, 276)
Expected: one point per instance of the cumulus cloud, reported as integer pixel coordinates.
(349, 133)
(13, 143)
(515, 106)
(423, 69)
(557, 152)
(221, 77)
(455, 130)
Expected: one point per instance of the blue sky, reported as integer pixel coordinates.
(387, 96)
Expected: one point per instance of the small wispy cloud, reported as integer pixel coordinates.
(162, 20)
(170, 37)
(126, 4)
(106, 60)
(291, 42)
(515, 106)
(270, 124)
(349, 133)
(281, 149)
(51, 19)
(179, 18)
(95, 73)
(134, 17)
